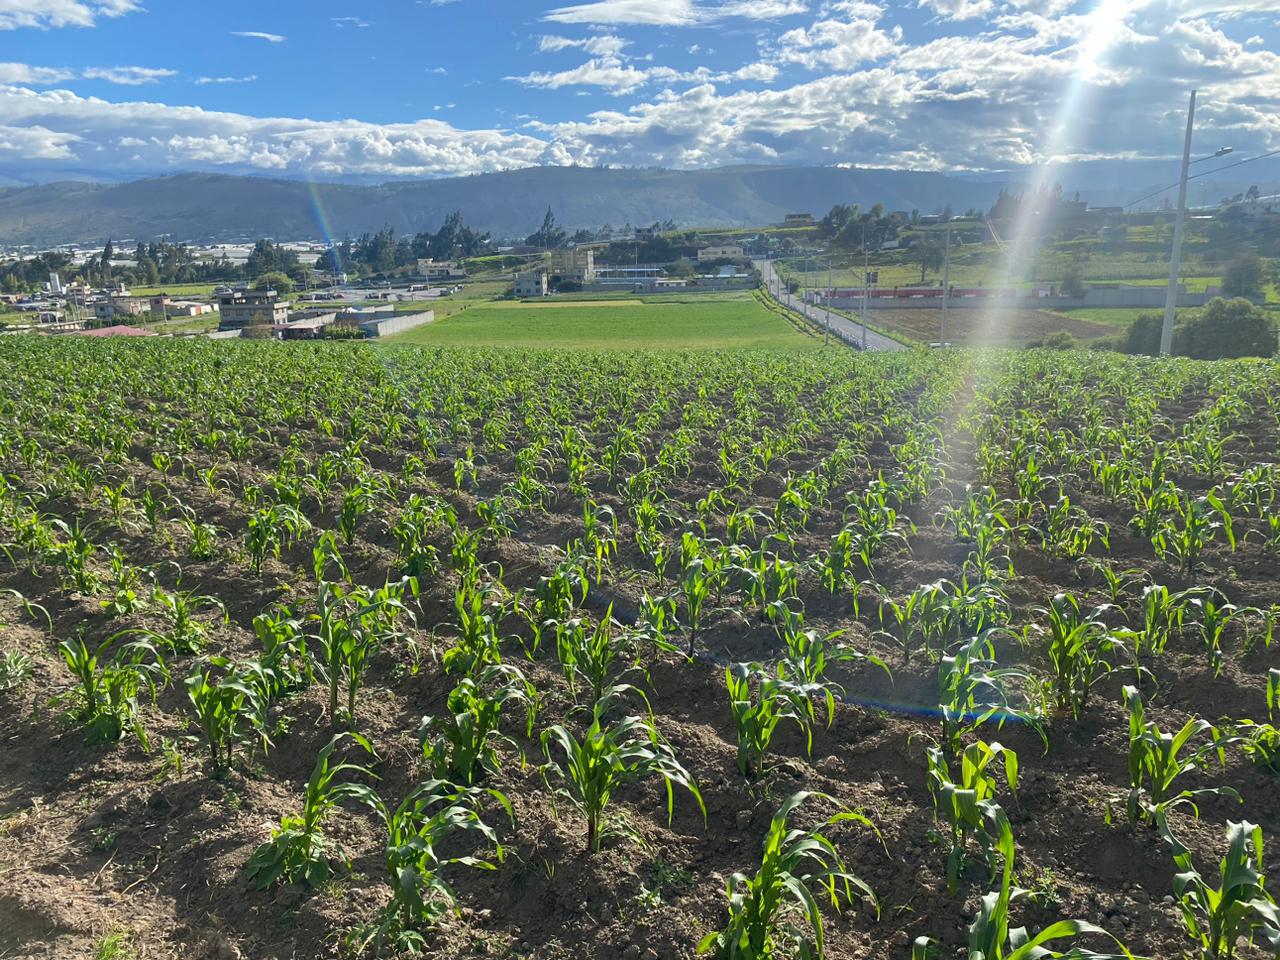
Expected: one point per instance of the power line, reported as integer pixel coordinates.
(1207, 173)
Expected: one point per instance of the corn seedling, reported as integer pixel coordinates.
(775, 912)
(966, 804)
(298, 851)
(609, 755)
(992, 938)
(1157, 760)
(1082, 650)
(228, 708)
(461, 746)
(759, 702)
(433, 812)
(1240, 908)
(107, 689)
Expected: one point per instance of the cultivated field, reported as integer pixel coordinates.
(739, 321)
(544, 585)
(979, 327)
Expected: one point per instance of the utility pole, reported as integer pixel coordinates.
(946, 283)
(865, 292)
(1175, 261)
(826, 336)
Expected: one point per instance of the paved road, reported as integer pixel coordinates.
(848, 330)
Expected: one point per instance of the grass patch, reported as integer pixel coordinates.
(744, 323)
(1113, 316)
(178, 290)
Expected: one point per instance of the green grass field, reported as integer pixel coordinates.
(741, 322)
(1114, 316)
(177, 290)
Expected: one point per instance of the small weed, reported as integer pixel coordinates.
(112, 947)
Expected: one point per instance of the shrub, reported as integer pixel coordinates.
(1223, 329)
(1226, 328)
(1073, 284)
(1243, 276)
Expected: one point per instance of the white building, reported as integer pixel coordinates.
(532, 283)
(723, 251)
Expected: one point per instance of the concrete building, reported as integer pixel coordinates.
(106, 310)
(574, 265)
(798, 220)
(189, 308)
(245, 308)
(440, 270)
(723, 251)
(532, 283)
(388, 326)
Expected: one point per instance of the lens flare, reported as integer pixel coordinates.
(1104, 25)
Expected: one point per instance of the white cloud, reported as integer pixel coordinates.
(59, 125)
(205, 81)
(603, 45)
(128, 76)
(25, 73)
(349, 22)
(61, 13)
(620, 78)
(762, 9)
(607, 72)
(839, 44)
(258, 35)
(672, 13)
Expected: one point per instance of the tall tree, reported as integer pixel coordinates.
(549, 236)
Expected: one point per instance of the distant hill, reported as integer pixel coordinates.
(198, 207)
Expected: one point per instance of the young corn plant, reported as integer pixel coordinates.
(183, 634)
(974, 691)
(433, 812)
(554, 598)
(228, 707)
(478, 644)
(992, 938)
(298, 851)
(608, 756)
(594, 659)
(351, 625)
(107, 689)
(759, 702)
(1216, 615)
(1241, 908)
(1162, 614)
(966, 804)
(462, 745)
(270, 529)
(1157, 760)
(810, 653)
(775, 912)
(1082, 650)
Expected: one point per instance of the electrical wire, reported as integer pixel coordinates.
(1238, 163)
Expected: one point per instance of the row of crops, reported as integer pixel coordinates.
(512, 612)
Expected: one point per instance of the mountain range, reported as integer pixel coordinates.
(206, 207)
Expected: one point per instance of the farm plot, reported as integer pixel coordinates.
(978, 327)
(317, 650)
(732, 321)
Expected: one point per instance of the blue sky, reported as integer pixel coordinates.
(381, 89)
